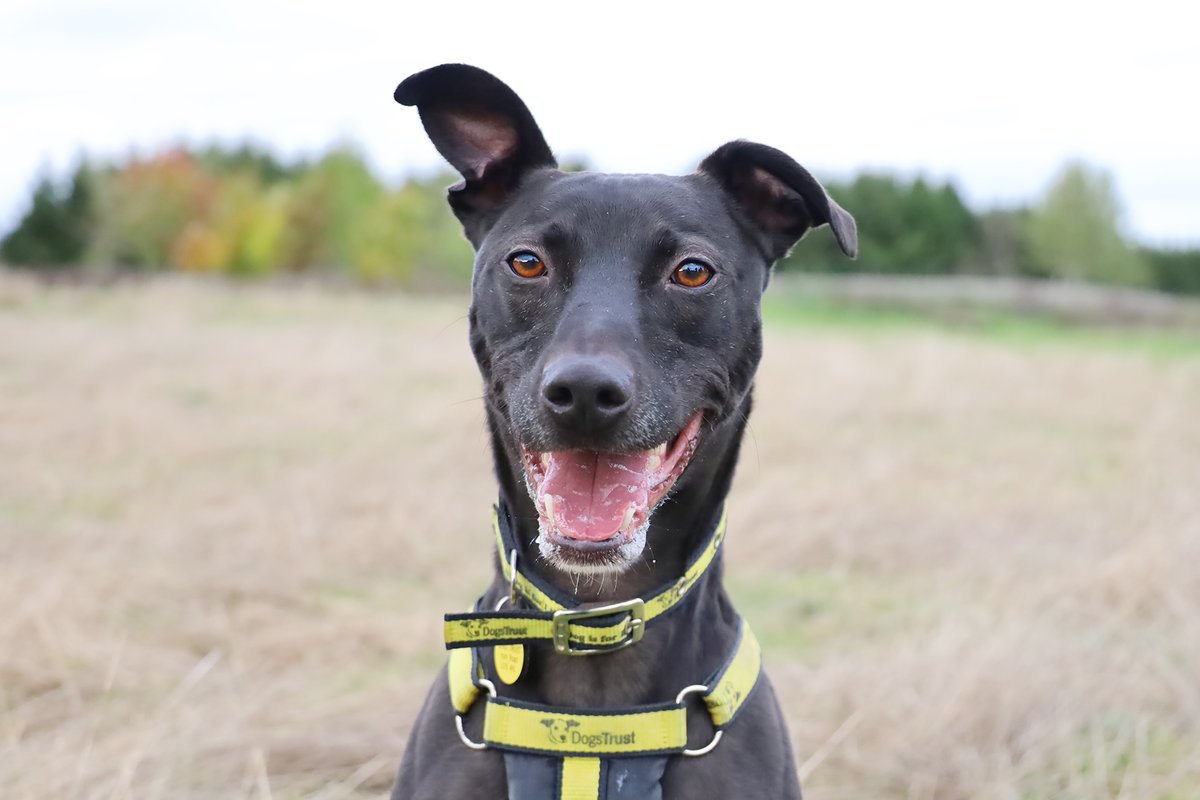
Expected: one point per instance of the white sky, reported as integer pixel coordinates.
(993, 95)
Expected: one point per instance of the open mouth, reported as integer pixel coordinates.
(594, 507)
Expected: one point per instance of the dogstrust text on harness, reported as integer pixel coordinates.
(559, 753)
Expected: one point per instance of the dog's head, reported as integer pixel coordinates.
(615, 318)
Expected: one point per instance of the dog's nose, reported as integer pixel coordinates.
(587, 393)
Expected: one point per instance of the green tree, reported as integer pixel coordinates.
(328, 207)
(248, 157)
(57, 228)
(1075, 231)
(410, 237)
(1176, 271)
(906, 227)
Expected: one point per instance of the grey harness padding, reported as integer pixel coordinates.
(537, 777)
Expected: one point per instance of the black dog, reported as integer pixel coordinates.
(616, 323)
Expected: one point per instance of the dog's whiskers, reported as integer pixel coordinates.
(467, 400)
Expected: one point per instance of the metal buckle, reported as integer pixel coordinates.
(634, 628)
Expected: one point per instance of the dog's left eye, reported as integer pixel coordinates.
(526, 265)
(692, 274)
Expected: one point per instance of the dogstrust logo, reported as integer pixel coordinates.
(483, 629)
(567, 731)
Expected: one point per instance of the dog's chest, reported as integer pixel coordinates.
(620, 679)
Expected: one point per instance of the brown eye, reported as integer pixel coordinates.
(526, 265)
(692, 274)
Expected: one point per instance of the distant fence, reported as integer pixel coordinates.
(1072, 302)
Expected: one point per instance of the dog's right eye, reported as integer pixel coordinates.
(692, 274)
(526, 265)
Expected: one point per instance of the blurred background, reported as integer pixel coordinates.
(255, 139)
(242, 450)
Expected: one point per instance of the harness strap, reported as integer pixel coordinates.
(580, 779)
(463, 672)
(572, 630)
(640, 730)
(533, 777)
(732, 684)
(553, 730)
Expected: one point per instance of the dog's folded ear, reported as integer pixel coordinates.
(780, 197)
(483, 129)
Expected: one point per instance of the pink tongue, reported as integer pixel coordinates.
(592, 491)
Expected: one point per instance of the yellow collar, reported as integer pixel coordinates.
(574, 631)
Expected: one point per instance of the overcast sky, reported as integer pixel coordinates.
(995, 96)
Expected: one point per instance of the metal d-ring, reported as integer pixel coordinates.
(695, 688)
(708, 748)
(698, 688)
(458, 725)
(458, 718)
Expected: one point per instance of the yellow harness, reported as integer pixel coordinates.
(580, 741)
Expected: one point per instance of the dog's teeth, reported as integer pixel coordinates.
(661, 450)
(545, 459)
(629, 512)
(548, 504)
(655, 461)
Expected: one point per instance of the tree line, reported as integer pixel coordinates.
(243, 211)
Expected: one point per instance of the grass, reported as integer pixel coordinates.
(230, 520)
(790, 309)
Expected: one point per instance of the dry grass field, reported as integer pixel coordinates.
(230, 521)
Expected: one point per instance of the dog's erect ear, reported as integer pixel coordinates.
(483, 129)
(779, 196)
